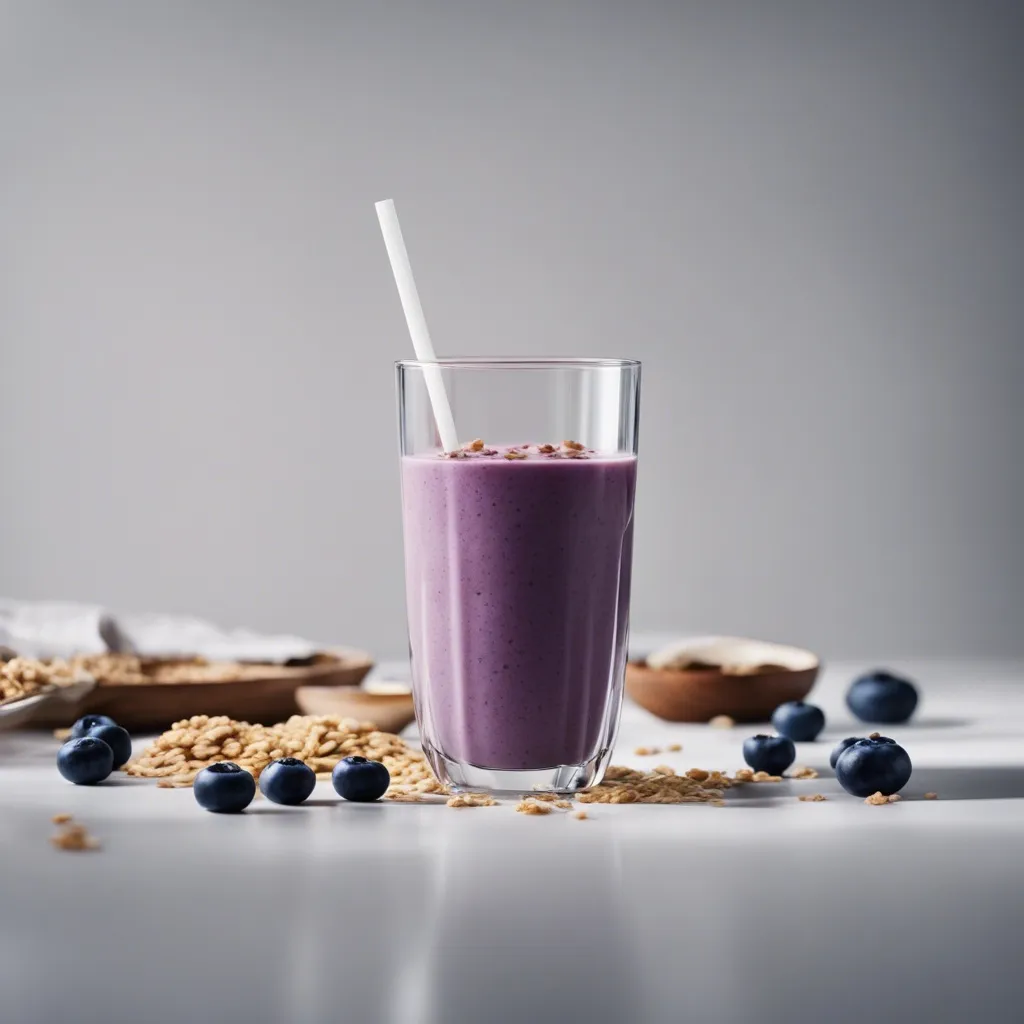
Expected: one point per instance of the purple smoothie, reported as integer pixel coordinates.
(517, 575)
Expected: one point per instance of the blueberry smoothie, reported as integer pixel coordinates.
(518, 567)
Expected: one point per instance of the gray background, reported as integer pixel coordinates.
(804, 217)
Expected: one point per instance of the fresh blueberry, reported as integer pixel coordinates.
(224, 787)
(287, 781)
(85, 761)
(771, 754)
(881, 696)
(798, 721)
(875, 765)
(839, 748)
(87, 723)
(117, 739)
(360, 780)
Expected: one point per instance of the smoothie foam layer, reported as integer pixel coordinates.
(518, 572)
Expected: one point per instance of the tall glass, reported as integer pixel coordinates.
(518, 554)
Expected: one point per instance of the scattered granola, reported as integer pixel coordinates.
(532, 806)
(61, 819)
(573, 446)
(581, 815)
(931, 796)
(631, 786)
(895, 798)
(811, 798)
(472, 800)
(801, 771)
(476, 446)
(647, 751)
(62, 734)
(722, 722)
(564, 804)
(745, 775)
(664, 769)
(75, 838)
(192, 744)
(765, 777)
(674, 748)
(514, 453)
(697, 774)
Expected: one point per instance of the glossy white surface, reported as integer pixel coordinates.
(766, 910)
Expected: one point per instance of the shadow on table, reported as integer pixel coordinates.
(967, 783)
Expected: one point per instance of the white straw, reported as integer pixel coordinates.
(417, 323)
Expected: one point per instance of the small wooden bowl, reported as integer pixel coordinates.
(744, 679)
(389, 707)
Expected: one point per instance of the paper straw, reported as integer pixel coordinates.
(417, 323)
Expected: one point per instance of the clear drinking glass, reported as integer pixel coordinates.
(518, 554)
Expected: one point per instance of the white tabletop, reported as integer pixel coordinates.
(769, 909)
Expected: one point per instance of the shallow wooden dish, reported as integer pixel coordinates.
(389, 708)
(744, 679)
(266, 695)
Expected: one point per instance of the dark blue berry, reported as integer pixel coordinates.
(771, 754)
(839, 748)
(798, 721)
(224, 787)
(881, 696)
(87, 723)
(287, 781)
(875, 765)
(117, 739)
(357, 779)
(85, 761)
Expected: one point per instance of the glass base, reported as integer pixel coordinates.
(462, 777)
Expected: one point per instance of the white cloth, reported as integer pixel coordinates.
(59, 629)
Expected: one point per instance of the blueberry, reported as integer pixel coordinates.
(839, 748)
(798, 721)
(881, 696)
(357, 779)
(875, 765)
(117, 739)
(85, 761)
(224, 788)
(771, 754)
(287, 781)
(85, 724)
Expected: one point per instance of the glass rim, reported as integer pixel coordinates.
(520, 363)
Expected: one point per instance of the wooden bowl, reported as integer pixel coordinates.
(744, 679)
(266, 694)
(388, 706)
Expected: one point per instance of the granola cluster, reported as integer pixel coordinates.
(71, 836)
(518, 452)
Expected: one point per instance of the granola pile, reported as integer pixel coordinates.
(320, 741)
(131, 670)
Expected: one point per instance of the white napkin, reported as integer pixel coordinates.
(59, 629)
